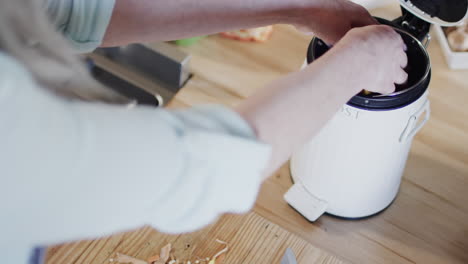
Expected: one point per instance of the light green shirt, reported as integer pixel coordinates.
(83, 23)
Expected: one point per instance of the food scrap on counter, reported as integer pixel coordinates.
(166, 257)
(260, 34)
(458, 37)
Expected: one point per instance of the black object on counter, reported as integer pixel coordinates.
(122, 86)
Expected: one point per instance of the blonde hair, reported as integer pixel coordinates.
(27, 35)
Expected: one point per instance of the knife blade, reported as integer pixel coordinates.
(289, 257)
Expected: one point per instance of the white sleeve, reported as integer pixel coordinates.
(82, 22)
(73, 170)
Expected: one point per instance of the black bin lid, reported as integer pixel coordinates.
(445, 13)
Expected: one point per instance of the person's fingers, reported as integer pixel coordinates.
(389, 88)
(401, 76)
(396, 37)
(401, 43)
(387, 34)
(391, 35)
(403, 60)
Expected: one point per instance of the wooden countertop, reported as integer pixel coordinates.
(427, 223)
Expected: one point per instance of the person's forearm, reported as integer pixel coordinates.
(292, 110)
(152, 20)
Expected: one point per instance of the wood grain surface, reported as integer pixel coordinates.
(427, 223)
(252, 239)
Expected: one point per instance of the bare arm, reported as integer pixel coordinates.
(290, 111)
(157, 20)
(150, 20)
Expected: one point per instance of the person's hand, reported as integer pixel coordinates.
(370, 58)
(330, 20)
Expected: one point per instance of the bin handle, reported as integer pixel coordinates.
(412, 127)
